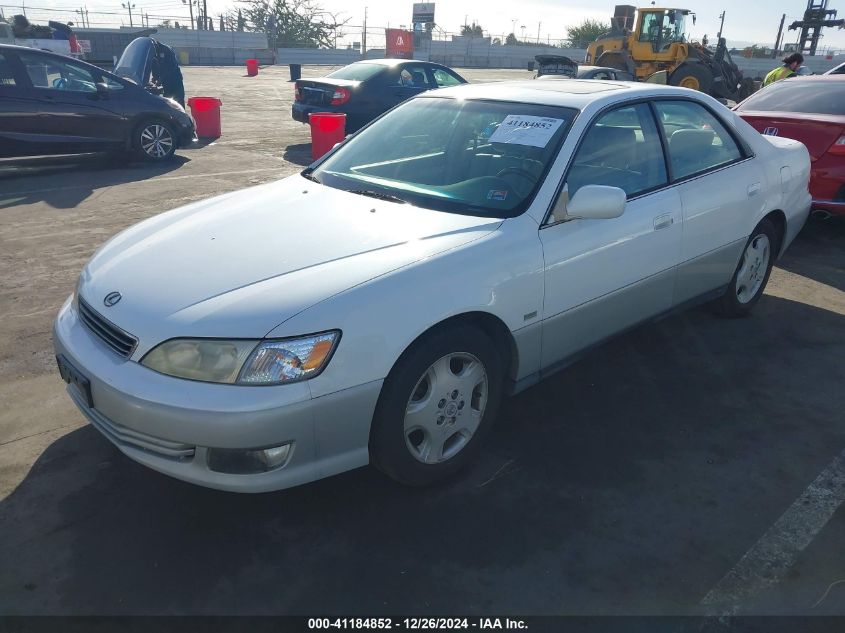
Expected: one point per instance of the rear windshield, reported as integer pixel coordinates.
(811, 97)
(357, 72)
(485, 158)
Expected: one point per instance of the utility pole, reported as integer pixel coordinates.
(364, 37)
(721, 26)
(204, 15)
(777, 39)
(538, 32)
(128, 6)
(190, 4)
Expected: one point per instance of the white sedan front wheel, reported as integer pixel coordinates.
(435, 405)
(446, 407)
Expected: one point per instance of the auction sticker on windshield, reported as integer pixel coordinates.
(526, 130)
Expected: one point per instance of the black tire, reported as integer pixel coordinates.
(399, 453)
(733, 304)
(692, 73)
(154, 141)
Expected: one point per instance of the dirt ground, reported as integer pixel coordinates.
(631, 483)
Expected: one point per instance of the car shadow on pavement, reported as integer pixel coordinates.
(300, 154)
(64, 182)
(629, 483)
(819, 252)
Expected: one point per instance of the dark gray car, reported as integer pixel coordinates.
(52, 104)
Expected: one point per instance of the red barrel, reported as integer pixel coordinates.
(206, 113)
(327, 130)
(252, 67)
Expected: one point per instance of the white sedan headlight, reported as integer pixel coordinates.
(275, 362)
(247, 362)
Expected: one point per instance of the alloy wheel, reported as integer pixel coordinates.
(156, 141)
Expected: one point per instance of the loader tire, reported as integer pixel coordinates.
(693, 76)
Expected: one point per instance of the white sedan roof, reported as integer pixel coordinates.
(572, 93)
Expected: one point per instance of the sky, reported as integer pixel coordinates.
(751, 21)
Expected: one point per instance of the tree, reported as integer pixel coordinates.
(474, 30)
(511, 40)
(292, 23)
(582, 35)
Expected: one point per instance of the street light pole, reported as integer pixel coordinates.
(129, 6)
(190, 4)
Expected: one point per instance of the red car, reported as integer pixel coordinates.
(810, 110)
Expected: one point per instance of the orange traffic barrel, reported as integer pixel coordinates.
(327, 130)
(206, 113)
(252, 67)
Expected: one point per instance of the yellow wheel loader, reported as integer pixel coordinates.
(647, 41)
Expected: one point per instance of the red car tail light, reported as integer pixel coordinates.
(297, 92)
(838, 148)
(340, 96)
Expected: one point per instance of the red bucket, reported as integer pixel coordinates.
(327, 130)
(206, 113)
(252, 67)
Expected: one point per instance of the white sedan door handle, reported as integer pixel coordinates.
(663, 221)
(753, 190)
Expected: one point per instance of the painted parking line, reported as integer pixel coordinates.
(162, 179)
(772, 556)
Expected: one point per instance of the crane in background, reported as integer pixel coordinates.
(816, 16)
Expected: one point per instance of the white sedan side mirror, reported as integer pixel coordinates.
(597, 202)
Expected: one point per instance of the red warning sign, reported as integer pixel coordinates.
(400, 43)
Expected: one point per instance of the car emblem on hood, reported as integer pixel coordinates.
(770, 131)
(111, 299)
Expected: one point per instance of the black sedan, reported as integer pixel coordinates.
(52, 104)
(366, 89)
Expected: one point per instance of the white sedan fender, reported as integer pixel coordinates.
(500, 274)
(786, 165)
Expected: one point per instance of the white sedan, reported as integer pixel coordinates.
(377, 307)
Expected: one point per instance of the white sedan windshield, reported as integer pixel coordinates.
(471, 157)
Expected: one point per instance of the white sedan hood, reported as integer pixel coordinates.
(238, 265)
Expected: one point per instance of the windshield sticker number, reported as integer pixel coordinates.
(535, 131)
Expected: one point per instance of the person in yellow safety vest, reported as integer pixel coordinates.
(790, 66)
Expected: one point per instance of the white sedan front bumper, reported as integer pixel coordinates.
(172, 425)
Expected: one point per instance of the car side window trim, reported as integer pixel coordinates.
(664, 143)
